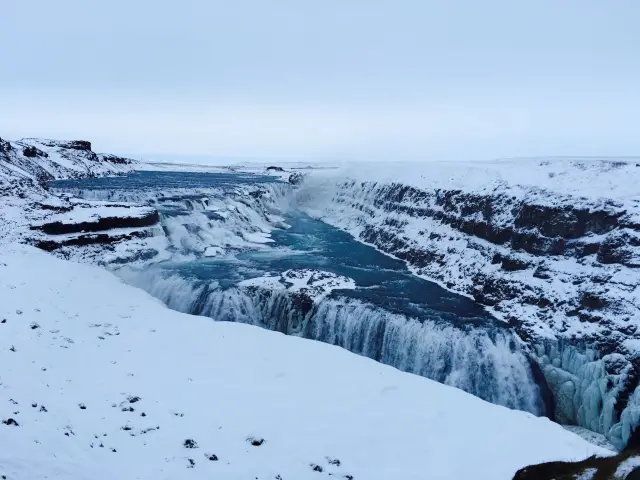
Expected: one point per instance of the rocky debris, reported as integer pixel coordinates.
(11, 422)
(624, 466)
(296, 178)
(256, 442)
(333, 461)
(255, 194)
(33, 152)
(77, 145)
(5, 147)
(114, 159)
(190, 443)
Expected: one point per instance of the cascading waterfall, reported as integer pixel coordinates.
(484, 360)
(225, 218)
(487, 362)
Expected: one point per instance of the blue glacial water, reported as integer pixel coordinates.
(391, 316)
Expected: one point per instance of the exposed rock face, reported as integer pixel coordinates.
(561, 270)
(50, 245)
(32, 152)
(30, 213)
(296, 178)
(101, 223)
(41, 160)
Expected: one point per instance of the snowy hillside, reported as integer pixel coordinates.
(552, 246)
(101, 381)
(41, 160)
(31, 214)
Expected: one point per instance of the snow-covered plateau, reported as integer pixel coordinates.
(102, 381)
(517, 281)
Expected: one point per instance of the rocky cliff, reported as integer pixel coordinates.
(551, 247)
(30, 213)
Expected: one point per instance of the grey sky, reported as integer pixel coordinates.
(335, 78)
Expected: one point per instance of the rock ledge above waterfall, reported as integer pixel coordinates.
(315, 284)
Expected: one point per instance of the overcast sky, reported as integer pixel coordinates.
(379, 79)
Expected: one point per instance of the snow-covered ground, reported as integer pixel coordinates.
(316, 284)
(101, 381)
(93, 354)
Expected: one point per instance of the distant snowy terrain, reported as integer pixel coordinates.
(101, 381)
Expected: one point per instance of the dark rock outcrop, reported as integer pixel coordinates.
(33, 152)
(104, 223)
(548, 264)
(296, 178)
(53, 244)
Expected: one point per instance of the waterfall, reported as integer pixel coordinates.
(487, 362)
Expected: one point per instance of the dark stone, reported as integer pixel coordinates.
(296, 178)
(32, 152)
(211, 457)
(511, 264)
(618, 248)
(589, 249)
(134, 399)
(316, 468)
(256, 194)
(11, 422)
(5, 146)
(116, 160)
(592, 301)
(256, 442)
(104, 223)
(548, 402)
(190, 443)
(543, 302)
(78, 145)
(566, 222)
(275, 169)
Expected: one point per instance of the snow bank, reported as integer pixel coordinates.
(105, 382)
(316, 284)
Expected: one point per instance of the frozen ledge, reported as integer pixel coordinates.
(316, 284)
